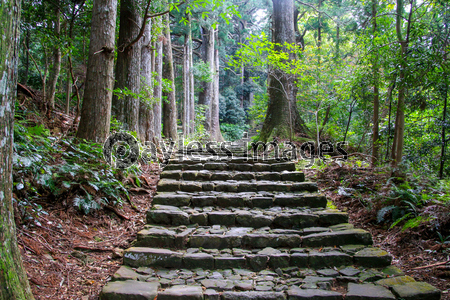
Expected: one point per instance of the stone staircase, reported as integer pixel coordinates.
(252, 229)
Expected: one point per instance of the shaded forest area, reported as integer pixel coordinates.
(373, 74)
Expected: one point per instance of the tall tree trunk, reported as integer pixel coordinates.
(216, 134)
(251, 100)
(169, 104)
(13, 278)
(128, 65)
(158, 83)
(376, 101)
(146, 124)
(27, 56)
(96, 110)
(206, 94)
(443, 137)
(186, 88)
(191, 81)
(54, 74)
(397, 147)
(68, 88)
(282, 117)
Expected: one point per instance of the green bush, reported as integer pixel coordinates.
(63, 168)
(232, 132)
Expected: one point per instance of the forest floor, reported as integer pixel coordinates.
(71, 255)
(417, 251)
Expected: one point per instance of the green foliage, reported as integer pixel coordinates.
(200, 134)
(232, 132)
(60, 169)
(230, 110)
(257, 112)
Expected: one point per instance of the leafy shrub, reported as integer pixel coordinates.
(230, 110)
(60, 169)
(232, 132)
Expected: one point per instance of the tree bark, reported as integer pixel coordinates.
(54, 74)
(13, 278)
(443, 138)
(169, 104)
(146, 124)
(186, 88)
(282, 117)
(158, 83)
(128, 65)
(205, 96)
(216, 134)
(191, 81)
(96, 110)
(397, 146)
(376, 101)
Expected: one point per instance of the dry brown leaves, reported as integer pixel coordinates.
(416, 252)
(68, 255)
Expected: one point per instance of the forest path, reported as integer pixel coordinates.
(235, 228)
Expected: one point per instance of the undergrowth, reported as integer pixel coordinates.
(63, 169)
(413, 202)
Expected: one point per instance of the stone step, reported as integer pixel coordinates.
(220, 237)
(209, 158)
(260, 166)
(205, 175)
(171, 185)
(256, 259)
(244, 199)
(276, 217)
(338, 283)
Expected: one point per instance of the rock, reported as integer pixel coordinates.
(171, 199)
(279, 167)
(416, 291)
(222, 218)
(393, 271)
(312, 294)
(261, 202)
(168, 185)
(328, 272)
(370, 276)
(297, 220)
(191, 186)
(373, 258)
(269, 251)
(390, 282)
(258, 167)
(299, 260)
(219, 285)
(244, 285)
(293, 176)
(187, 292)
(211, 294)
(126, 273)
(280, 260)
(368, 291)
(117, 253)
(253, 296)
(349, 271)
(257, 262)
(152, 257)
(201, 201)
(344, 237)
(230, 200)
(199, 218)
(230, 262)
(198, 260)
(129, 289)
(329, 259)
